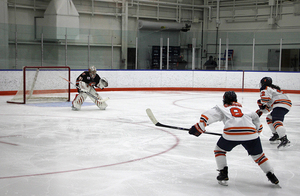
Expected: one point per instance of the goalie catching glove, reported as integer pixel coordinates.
(103, 83)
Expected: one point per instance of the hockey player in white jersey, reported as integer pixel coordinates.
(241, 127)
(274, 100)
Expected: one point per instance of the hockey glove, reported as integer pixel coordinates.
(259, 112)
(83, 87)
(263, 108)
(103, 83)
(193, 131)
(79, 90)
(260, 105)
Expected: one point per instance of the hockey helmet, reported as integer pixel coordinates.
(93, 71)
(265, 81)
(229, 97)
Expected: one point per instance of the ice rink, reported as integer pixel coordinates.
(50, 150)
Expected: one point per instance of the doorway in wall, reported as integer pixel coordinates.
(290, 60)
(131, 58)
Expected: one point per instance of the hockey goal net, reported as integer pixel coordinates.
(43, 84)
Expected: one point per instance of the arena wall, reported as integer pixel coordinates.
(123, 80)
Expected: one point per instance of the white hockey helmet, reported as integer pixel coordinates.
(93, 71)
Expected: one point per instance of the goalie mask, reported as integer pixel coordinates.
(265, 81)
(93, 71)
(229, 97)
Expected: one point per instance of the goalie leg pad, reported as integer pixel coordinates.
(78, 101)
(100, 105)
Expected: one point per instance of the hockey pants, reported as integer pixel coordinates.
(253, 148)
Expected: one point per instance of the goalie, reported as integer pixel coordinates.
(86, 83)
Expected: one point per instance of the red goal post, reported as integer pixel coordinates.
(43, 84)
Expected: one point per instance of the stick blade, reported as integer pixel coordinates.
(104, 99)
(151, 116)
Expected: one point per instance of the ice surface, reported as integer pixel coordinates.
(48, 149)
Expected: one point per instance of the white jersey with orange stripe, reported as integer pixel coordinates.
(275, 98)
(240, 124)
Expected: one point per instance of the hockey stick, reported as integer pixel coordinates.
(88, 93)
(156, 123)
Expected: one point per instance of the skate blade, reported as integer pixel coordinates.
(223, 182)
(277, 185)
(75, 109)
(284, 147)
(275, 142)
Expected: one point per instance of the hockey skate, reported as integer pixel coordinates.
(284, 143)
(223, 176)
(273, 178)
(274, 139)
(74, 108)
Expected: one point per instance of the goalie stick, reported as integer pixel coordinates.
(156, 123)
(88, 93)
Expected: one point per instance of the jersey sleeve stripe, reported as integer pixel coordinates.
(199, 128)
(265, 99)
(204, 119)
(260, 129)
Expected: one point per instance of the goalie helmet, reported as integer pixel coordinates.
(93, 71)
(229, 97)
(265, 81)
